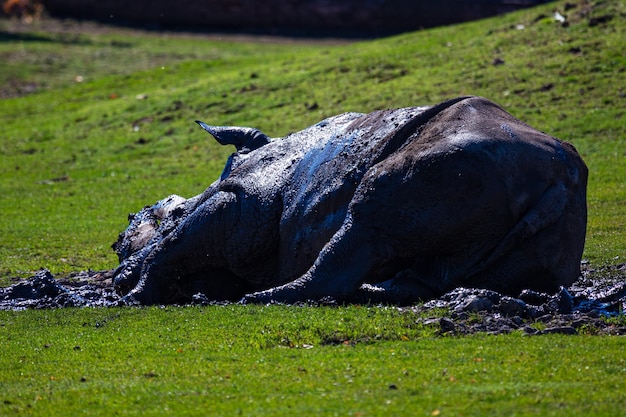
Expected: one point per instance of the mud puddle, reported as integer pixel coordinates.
(595, 303)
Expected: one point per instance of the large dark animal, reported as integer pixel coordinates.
(393, 206)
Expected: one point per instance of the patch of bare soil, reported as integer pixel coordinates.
(594, 304)
(17, 88)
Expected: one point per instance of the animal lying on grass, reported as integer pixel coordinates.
(393, 206)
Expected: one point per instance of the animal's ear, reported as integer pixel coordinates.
(245, 139)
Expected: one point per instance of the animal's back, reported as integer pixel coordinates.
(478, 197)
(323, 182)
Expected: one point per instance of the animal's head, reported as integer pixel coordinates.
(145, 225)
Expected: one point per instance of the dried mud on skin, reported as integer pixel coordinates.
(585, 306)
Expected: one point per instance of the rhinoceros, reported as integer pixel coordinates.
(393, 206)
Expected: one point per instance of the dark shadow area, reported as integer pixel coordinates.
(294, 18)
(23, 37)
(63, 38)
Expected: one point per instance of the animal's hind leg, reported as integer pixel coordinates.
(342, 266)
(542, 251)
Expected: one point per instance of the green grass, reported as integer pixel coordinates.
(76, 157)
(253, 360)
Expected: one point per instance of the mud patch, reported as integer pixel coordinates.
(82, 289)
(18, 88)
(594, 304)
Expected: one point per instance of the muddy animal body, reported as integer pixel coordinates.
(392, 206)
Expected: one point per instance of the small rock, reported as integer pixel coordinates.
(474, 304)
(533, 297)
(545, 318)
(560, 330)
(463, 315)
(510, 306)
(200, 299)
(447, 325)
(579, 323)
(595, 21)
(530, 330)
(564, 301)
(430, 321)
(594, 314)
(533, 312)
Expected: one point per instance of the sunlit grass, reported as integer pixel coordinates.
(282, 360)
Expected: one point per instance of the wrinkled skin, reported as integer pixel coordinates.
(393, 206)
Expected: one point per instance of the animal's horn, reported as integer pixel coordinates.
(244, 138)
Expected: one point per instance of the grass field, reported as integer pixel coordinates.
(250, 360)
(108, 127)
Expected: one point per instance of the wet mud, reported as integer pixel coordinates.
(594, 304)
(41, 291)
(591, 304)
